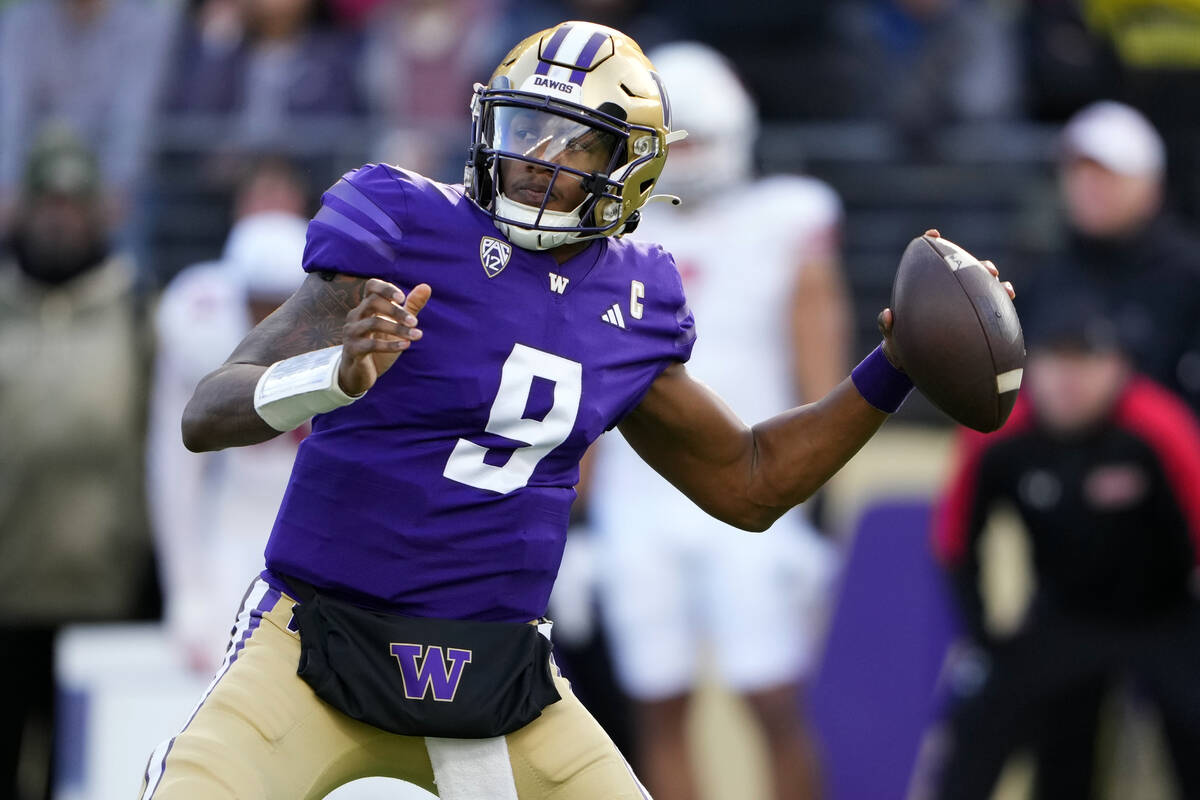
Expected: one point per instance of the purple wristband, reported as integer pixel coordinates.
(881, 384)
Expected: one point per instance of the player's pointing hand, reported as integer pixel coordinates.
(377, 331)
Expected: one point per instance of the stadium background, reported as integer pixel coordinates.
(975, 159)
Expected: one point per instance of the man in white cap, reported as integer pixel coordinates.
(210, 510)
(1124, 246)
(1113, 162)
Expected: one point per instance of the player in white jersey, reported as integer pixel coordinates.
(674, 579)
(211, 511)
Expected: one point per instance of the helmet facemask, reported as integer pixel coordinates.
(532, 152)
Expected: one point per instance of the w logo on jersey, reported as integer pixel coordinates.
(494, 255)
(424, 668)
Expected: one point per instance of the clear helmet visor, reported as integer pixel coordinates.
(543, 156)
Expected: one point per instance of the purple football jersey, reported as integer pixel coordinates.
(445, 490)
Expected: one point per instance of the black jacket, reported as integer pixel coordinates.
(1113, 515)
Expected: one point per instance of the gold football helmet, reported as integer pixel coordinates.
(576, 111)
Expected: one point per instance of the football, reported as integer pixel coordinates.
(956, 333)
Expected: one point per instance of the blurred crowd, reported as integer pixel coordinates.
(158, 163)
(239, 77)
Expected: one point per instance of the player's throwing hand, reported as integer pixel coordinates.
(377, 331)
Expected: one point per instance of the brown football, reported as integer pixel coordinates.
(956, 333)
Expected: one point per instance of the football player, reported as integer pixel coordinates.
(674, 579)
(211, 513)
(396, 629)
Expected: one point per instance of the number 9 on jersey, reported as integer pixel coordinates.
(507, 419)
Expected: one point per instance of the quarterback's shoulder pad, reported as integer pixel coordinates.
(360, 227)
(366, 217)
(652, 264)
(664, 300)
(644, 252)
(423, 192)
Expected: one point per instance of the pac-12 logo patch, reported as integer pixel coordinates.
(494, 255)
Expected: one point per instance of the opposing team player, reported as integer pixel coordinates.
(211, 513)
(395, 631)
(761, 256)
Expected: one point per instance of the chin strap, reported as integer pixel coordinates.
(528, 238)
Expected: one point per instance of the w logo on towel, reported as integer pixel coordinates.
(426, 667)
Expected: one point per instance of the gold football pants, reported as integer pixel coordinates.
(260, 733)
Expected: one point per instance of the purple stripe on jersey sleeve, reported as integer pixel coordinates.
(352, 196)
(551, 50)
(335, 219)
(586, 55)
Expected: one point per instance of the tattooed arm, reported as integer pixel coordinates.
(372, 320)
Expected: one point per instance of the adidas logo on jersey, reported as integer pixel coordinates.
(558, 283)
(613, 316)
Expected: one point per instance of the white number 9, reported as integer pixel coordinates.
(466, 464)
